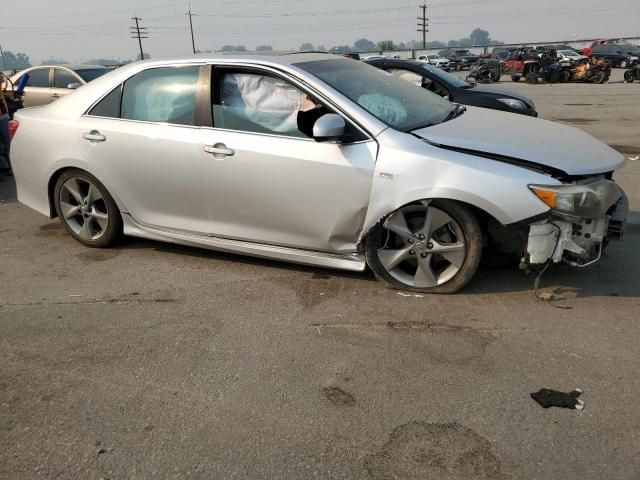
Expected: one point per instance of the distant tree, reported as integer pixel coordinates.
(364, 45)
(208, 50)
(146, 56)
(402, 46)
(386, 45)
(53, 61)
(307, 47)
(341, 49)
(103, 61)
(322, 48)
(264, 48)
(436, 44)
(15, 61)
(233, 48)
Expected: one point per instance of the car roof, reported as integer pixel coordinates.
(72, 66)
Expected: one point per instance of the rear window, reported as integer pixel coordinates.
(89, 74)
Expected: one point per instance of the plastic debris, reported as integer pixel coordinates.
(547, 398)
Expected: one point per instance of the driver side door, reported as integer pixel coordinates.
(268, 180)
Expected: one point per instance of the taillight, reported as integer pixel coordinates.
(13, 128)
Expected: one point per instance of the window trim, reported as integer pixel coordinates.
(287, 77)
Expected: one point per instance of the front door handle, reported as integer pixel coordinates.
(94, 136)
(55, 95)
(219, 150)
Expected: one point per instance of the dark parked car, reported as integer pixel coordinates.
(460, 59)
(457, 90)
(617, 54)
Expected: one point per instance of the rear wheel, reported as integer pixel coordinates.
(532, 78)
(427, 247)
(86, 209)
(599, 77)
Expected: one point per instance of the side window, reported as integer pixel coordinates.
(407, 75)
(62, 78)
(109, 106)
(38, 78)
(166, 95)
(257, 103)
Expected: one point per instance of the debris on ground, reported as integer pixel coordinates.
(547, 398)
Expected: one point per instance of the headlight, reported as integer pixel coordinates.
(513, 103)
(586, 199)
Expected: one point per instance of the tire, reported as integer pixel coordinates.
(495, 76)
(628, 76)
(86, 209)
(515, 78)
(410, 262)
(532, 78)
(599, 77)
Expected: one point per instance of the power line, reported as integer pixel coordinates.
(139, 33)
(424, 25)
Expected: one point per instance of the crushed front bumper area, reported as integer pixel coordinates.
(576, 241)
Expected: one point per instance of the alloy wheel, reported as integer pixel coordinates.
(424, 247)
(83, 208)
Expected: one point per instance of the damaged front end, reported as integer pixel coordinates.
(585, 215)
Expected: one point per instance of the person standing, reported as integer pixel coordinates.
(5, 163)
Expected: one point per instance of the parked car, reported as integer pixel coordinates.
(48, 83)
(456, 89)
(619, 55)
(570, 56)
(460, 59)
(319, 160)
(587, 51)
(436, 60)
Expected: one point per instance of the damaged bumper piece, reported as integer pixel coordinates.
(584, 216)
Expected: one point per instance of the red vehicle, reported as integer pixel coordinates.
(587, 51)
(522, 62)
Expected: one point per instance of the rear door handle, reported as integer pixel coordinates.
(219, 150)
(55, 95)
(94, 136)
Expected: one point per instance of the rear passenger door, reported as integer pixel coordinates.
(38, 89)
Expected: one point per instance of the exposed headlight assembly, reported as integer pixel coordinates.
(513, 103)
(585, 199)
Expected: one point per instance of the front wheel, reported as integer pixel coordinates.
(599, 77)
(426, 247)
(86, 209)
(628, 76)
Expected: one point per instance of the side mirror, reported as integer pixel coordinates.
(73, 86)
(329, 127)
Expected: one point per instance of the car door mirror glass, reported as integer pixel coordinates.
(74, 85)
(329, 127)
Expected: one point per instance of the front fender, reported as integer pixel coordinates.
(409, 169)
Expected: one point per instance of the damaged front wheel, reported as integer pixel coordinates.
(427, 247)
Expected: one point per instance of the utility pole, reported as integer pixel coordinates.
(424, 25)
(193, 41)
(139, 33)
(4, 62)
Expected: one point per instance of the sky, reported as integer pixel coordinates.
(78, 30)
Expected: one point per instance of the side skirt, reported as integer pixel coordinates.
(349, 261)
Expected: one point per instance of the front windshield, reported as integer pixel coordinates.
(395, 102)
(89, 74)
(568, 53)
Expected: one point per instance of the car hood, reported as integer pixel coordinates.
(501, 92)
(531, 140)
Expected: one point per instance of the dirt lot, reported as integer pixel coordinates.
(156, 361)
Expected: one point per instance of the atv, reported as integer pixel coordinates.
(522, 62)
(486, 71)
(633, 74)
(592, 70)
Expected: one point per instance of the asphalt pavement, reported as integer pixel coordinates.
(154, 361)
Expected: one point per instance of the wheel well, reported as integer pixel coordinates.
(51, 187)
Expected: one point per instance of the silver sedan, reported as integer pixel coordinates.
(318, 160)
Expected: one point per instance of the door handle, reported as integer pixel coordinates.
(219, 150)
(94, 136)
(55, 95)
